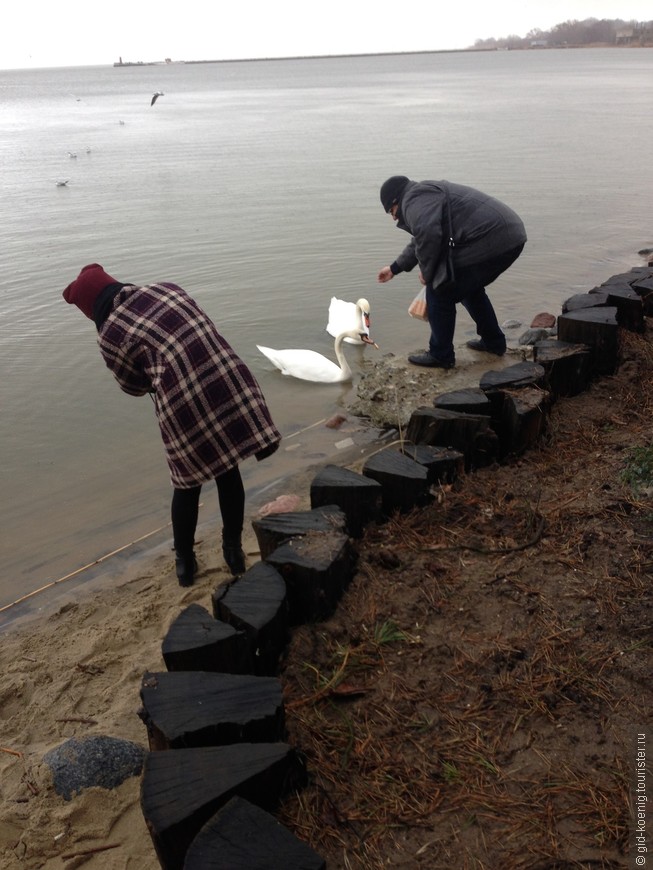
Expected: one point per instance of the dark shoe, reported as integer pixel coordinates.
(425, 359)
(186, 567)
(235, 558)
(479, 344)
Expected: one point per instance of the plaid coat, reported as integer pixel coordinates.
(211, 411)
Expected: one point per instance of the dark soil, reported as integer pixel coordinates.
(472, 702)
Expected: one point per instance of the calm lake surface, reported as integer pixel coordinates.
(254, 186)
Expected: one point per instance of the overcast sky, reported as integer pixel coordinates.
(44, 33)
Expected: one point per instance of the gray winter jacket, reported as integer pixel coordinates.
(483, 227)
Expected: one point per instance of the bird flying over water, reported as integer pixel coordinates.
(156, 96)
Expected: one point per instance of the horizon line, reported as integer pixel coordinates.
(471, 49)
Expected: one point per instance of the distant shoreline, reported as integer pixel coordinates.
(300, 57)
(375, 54)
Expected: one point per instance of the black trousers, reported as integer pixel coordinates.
(469, 291)
(185, 510)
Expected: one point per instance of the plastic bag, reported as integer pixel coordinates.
(417, 307)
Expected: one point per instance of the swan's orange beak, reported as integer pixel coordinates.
(367, 340)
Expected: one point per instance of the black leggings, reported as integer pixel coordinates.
(185, 509)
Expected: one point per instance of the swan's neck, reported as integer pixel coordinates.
(342, 362)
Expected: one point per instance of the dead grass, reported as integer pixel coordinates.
(470, 703)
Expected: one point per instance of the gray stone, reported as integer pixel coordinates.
(93, 761)
(533, 335)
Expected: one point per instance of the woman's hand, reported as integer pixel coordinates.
(385, 275)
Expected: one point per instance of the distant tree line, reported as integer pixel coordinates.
(591, 31)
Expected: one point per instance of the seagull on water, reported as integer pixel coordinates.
(156, 96)
(63, 183)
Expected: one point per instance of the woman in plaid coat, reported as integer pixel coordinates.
(212, 414)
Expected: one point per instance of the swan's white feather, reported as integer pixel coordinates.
(307, 365)
(345, 316)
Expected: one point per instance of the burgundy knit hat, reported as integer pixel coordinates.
(86, 288)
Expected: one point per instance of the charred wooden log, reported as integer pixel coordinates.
(273, 530)
(471, 401)
(316, 567)
(357, 496)
(256, 604)
(629, 276)
(630, 310)
(523, 374)
(242, 836)
(442, 464)
(470, 434)
(508, 413)
(404, 482)
(598, 329)
(594, 299)
(524, 419)
(182, 790)
(568, 367)
(643, 286)
(198, 708)
(197, 642)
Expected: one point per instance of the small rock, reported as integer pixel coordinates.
(335, 422)
(533, 335)
(281, 505)
(510, 324)
(85, 762)
(544, 320)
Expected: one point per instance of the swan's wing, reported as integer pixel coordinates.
(307, 365)
(342, 318)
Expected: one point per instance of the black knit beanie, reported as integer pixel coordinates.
(392, 189)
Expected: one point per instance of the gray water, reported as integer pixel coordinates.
(254, 186)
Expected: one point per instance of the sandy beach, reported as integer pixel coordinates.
(77, 672)
(72, 659)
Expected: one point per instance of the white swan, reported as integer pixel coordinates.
(345, 316)
(308, 365)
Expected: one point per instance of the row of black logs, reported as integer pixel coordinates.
(218, 766)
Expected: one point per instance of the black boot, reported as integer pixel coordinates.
(234, 556)
(186, 567)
